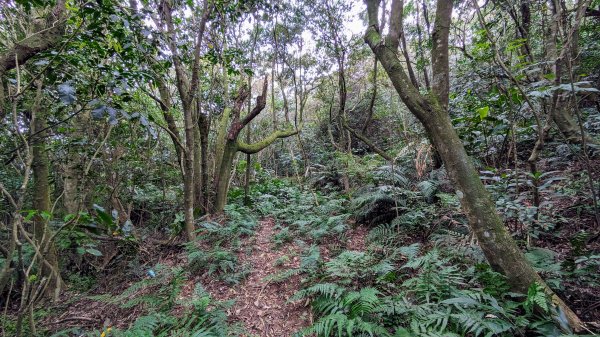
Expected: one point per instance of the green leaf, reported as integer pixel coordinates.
(104, 217)
(94, 251)
(483, 112)
(47, 216)
(30, 214)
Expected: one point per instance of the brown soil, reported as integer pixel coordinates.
(261, 305)
(356, 238)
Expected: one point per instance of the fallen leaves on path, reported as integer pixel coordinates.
(261, 305)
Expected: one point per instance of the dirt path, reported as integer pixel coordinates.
(262, 306)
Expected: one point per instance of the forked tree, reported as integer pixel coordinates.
(431, 110)
(202, 190)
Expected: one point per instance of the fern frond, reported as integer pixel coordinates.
(331, 290)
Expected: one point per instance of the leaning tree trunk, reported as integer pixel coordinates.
(500, 249)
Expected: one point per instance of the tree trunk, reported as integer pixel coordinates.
(197, 168)
(563, 111)
(231, 144)
(188, 93)
(501, 251)
(73, 180)
(204, 127)
(440, 72)
(223, 174)
(188, 179)
(70, 186)
(41, 202)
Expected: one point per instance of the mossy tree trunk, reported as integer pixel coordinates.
(564, 35)
(498, 246)
(229, 144)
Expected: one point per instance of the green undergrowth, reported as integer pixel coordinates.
(165, 311)
(215, 250)
(418, 291)
(421, 273)
(158, 293)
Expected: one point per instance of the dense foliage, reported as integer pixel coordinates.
(158, 154)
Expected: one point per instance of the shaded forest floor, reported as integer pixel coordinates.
(249, 266)
(261, 305)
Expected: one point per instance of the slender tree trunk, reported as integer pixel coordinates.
(248, 161)
(204, 126)
(409, 67)
(420, 51)
(41, 201)
(524, 28)
(188, 93)
(197, 168)
(373, 98)
(70, 186)
(247, 173)
(73, 170)
(220, 148)
(440, 79)
(188, 179)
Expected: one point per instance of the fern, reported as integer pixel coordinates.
(437, 277)
(462, 242)
(537, 297)
(153, 292)
(143, 326)
(354, 266)
(215, 260)
(376, 205)
(362, 302)
(310, 261)
(346, 313)
(429, 189)
(283, 275)
(157, 296)
(410, 251)
(331, 290)
(391, 174)
(386, 236)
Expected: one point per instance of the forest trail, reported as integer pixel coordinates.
(262, 305)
